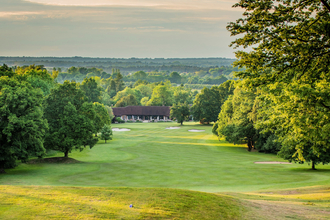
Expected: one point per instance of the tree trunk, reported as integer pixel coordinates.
(66, 154)
(249, 145)
(181, 122)
(2, 170)
(105, 140)
(313, 165)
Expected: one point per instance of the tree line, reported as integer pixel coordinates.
(37, 114)
(282, 103)
(206, 76)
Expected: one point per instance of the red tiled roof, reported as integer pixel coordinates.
(142, 110)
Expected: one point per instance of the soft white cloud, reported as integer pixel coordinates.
(174, 4)
(7, 14)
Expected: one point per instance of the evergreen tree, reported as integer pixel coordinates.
(106, 133)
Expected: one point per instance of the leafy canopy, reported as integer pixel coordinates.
(289, 57)
(180, 111)
(71, 119)
(22, 126)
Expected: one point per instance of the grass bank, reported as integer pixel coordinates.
(35, 202)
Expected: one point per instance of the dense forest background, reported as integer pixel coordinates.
(197, 72)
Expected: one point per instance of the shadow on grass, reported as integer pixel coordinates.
(309, 170)
(50, 160)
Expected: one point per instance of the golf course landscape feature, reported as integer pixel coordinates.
(165, 174)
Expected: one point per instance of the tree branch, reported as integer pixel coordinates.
(325, 3)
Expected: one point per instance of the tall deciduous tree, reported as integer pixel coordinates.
(22, 127)
(182, 95)
(102, 117)
(289, 59)
(70, 118)
(126, 101)
(91, 89)
(207, 104)
(236, 122)
(175, 77)
(162, 95)
(180, 111)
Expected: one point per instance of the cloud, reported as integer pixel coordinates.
(173, 4)
(7, 14)
(147, 28)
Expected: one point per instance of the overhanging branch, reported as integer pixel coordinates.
(325, 3)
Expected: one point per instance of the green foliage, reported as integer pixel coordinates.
(110, 112)
(236, 119)
(119, 81)
(91, 90)
(70, 118)
(237, 122)
(6, 71)
(140, 75)
(144, 101)
(129, 100)
(175, 77)
(101, 118)
(37, 76)
(127, 92)
(182, 95)
(289, 63)
(145, 90)
(119, 120)
(22, 127)
(162, 95)
(207, 104)
(180, 112)
(106, 133)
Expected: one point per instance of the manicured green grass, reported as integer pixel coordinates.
(31, 202)
(159, 165)
(151, 156)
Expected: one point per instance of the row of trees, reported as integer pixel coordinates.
(212, 75)
(283, 100)
(151, 94)
(37, 114)
(206, 105)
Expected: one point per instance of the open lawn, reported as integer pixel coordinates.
(155, 157)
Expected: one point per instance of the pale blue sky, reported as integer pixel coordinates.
(116, 28)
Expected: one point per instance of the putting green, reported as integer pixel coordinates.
(152, 156)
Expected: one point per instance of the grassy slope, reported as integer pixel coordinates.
(30, 202)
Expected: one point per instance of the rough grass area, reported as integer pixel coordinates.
(35, 202)
(297, 203)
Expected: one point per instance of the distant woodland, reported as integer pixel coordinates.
(197, 72)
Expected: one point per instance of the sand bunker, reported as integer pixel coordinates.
(121, 129)
(173, 128)
(272, 162)
(195, 130)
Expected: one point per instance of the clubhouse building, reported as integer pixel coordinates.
(143, 113)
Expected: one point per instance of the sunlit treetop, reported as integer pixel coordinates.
(289, 40)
